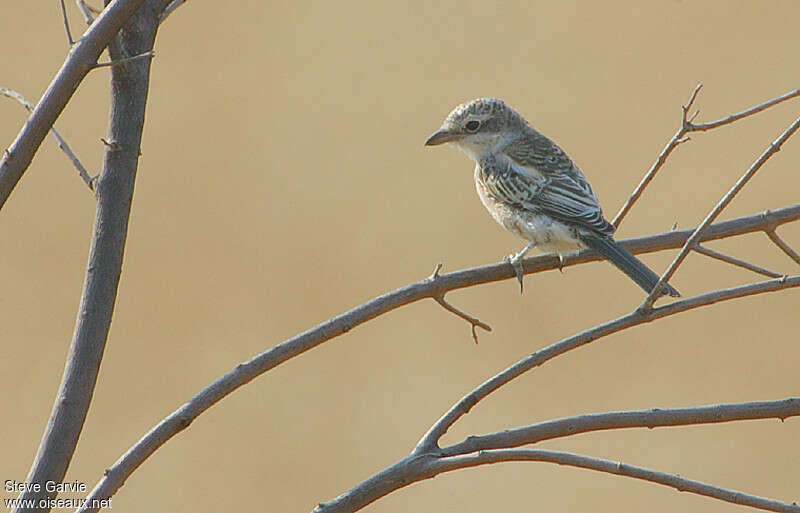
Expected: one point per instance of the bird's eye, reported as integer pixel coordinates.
(472, 126)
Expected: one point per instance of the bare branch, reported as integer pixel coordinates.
(686, 108)
(246, 372)
(87, 10)
(80, 60)
(473, 321)
(60, 140)
(427, 288)
(430, 440)
(115, 185)
(420, 466)
(738, 186)
(66, 23)
(749, 112)
(170, 8)
(126, 60)
(735, 261)
(439, 298)
(652, 418)
(621, 469)
(786, 248)
(673, 143)
(680, 136)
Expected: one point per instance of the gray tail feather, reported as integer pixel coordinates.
(627, 263)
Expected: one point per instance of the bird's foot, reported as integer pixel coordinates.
(516, 262)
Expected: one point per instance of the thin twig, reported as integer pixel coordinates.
(169, 8)
(87, 10)
(114, 199)
(439, 298)
(66, 24)
(126, 60)
(417, 465)
(677, 139)
(735, 261)
(651, 418)
(84, 54)
(281, 353)
(687, 126)
(786, 248)
(473, 321)
(717, 210)
(618, 468)
(60, 140)
(430, 440)
(749, 112)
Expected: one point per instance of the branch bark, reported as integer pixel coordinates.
(114, 191)
(612, 467)
(773, 148)
(435, 286)
(417, 465)
(79, 62)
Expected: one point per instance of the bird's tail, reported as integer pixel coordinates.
(626, 262)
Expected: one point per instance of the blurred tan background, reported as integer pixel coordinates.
(283, 181)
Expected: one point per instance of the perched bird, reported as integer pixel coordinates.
(533, 189)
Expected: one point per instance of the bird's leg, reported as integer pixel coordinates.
(516, 262)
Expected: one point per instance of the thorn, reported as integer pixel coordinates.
(675, 226)
(111, 145)
(435, 273)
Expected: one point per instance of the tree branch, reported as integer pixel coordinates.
(170, 8)
(429, 442)
(717, 210)
(735, 261)
(611, 467)
(87, 11)
(114, 188)
(652, 418)
(80, 60)
(680, 137)
(125, 60)
(87, 179)
(786, 248)
(116, 475)
(413, 467)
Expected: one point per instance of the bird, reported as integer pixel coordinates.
(533, 189)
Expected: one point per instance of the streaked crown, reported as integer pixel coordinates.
(485, 115)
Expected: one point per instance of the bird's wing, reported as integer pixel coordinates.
(540, 177)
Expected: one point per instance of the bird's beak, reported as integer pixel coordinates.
(441, 137)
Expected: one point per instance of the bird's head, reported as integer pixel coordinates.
(479, 127)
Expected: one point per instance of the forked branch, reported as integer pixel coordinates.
(62, 144)
(418, 465)
(717, 210)
(687, 126)
(681, 484)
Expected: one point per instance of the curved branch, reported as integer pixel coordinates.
(416, 466)
(114, 189)
(681, 137)
(611, 467)
(717, 210)
(116, 475)
(80, 61)
(653, 418)
(429, 442)
(87, 179)
(787, 249)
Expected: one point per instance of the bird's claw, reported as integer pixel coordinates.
(516, 263)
